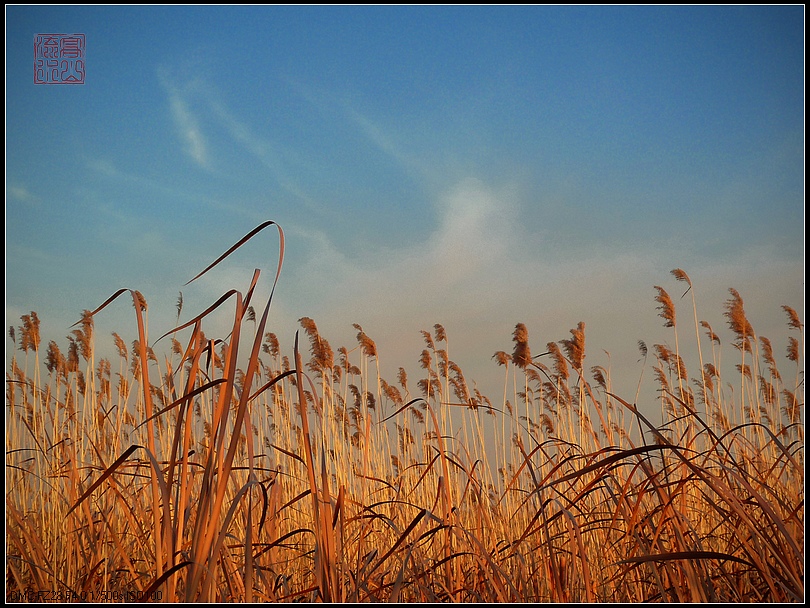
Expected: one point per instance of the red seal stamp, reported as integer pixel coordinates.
(59, 58)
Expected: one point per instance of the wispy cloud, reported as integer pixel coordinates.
(22, 194)
(384, 141)
(246, 136)
(189, 129)
(264, 150)
(106, 168)
(185, 121)
(220, 119)
(377, 132)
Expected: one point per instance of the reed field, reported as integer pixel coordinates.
(235, 468)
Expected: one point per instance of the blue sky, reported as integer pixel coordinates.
(469, 166)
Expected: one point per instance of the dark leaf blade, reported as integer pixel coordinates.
(109, 471)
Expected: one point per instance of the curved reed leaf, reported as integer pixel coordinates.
(146, 595)
(271, 383)
(224, 297)
(241, 242)
(404, 407)
(399, 541)
(265, 547)
(623, 454)
(108, 471)
(200, 389)
(104, 305)
(679, 555)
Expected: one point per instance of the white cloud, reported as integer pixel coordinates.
(384, 141)
(241, 133)
(459, 275)
(473, 233)
(189, 129)
(22, 194)
(186, 122)
(479, 273)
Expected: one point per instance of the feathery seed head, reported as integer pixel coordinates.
(522, 354)
(599, 375)
(441, 335)
(666, 307)
(663, 353)
(402, 378)
(501, 358)
(367, 345)
(793, 318)
(793, 349)
(680, 275)
(271, 344)
(712, 336)
(120, 345)
(29, 332)
(737, 321)
(141, 301)
(425, 359)
(575, 346)
(560, 365)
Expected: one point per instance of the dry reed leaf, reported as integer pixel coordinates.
(684, 555)
(107, 472)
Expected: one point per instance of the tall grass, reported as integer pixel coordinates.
(225, 470)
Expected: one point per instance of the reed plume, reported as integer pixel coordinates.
(793, 349)
(575, 346)
(54, 359)
(323, 358)
(793, 317)
(402, 378)
(84, 335)
(179, 305)
(441, 335)
(120, 345)
(710, 333)
(737, 321)
(29, 332)
(501, 358)
(560, 365)
(681, 275)
(522, 354)
(367, 344)
(140, 301)
(767, 354)
(666, 307)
